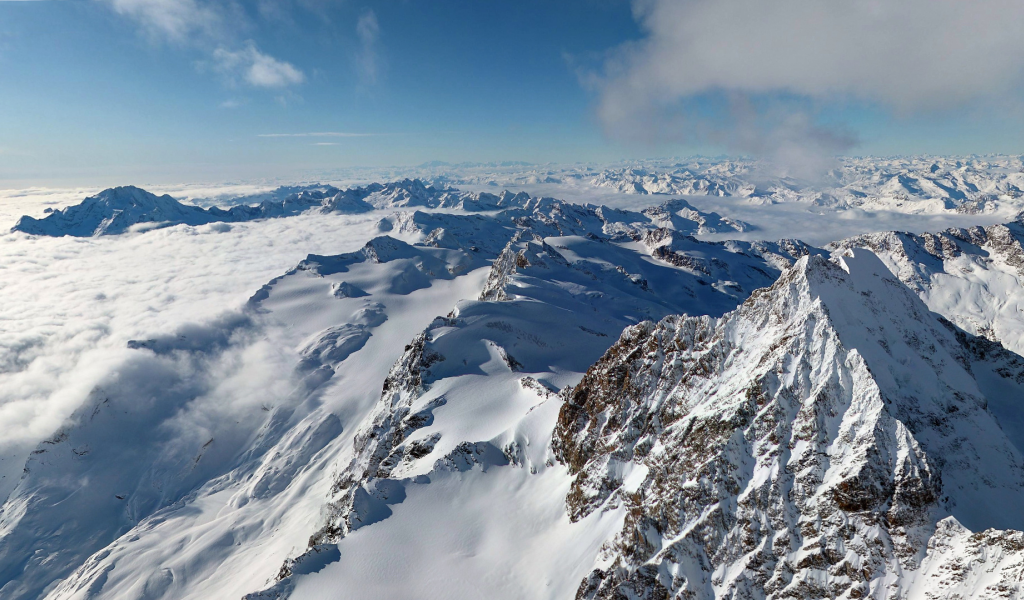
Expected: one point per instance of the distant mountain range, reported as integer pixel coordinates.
(118, 210)
(926, 185)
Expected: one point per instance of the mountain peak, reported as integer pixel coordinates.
(830, 411)
(125, 191)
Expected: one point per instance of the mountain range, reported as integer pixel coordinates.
(510, 396)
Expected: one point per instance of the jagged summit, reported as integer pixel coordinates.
(804, 445)
(968, 275)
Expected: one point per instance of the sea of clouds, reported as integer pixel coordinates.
(72, 304)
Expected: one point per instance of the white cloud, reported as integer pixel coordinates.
(177, 20)
(210, 26)
(316, 134)
(255, 67)
(908, 56)
(71, 304)
(368, 58)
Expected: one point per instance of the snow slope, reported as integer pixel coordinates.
(972, 276)
(237, 424)
(804, 445)
(511, 396)
(234, 418)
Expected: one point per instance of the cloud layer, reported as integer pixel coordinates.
(177, 20)
(906, 56)
(71, 304)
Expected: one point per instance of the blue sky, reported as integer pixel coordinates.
(179, 89)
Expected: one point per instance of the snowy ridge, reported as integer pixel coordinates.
(118, 210)
(553, 293)
(987, 564)
(915, 185)
(333, 321)
(970, 276)
(792, 448)
(926, 185)
(609, 407)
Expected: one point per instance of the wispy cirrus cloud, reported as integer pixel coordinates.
(342, 134)
(368, 61)
(176, 20)
(214, 27)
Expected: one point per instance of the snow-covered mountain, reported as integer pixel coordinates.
(926, 185)
(805, 445)
(921, 185)
(912, 185)
(990, 186)
(558, 292)
(118, 210)
(512, 396)
(969, 275)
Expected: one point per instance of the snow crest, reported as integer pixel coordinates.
(804, 445)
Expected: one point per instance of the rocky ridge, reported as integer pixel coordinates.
(784, 450)
(602, 284)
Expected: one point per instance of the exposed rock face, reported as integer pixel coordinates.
(825, 439)
(712, 276)
(802, 446)
(919, 252)
(508, 263)
(363, 488)
(558, 304)
(687, 252)
(379, 446)
(673, 211)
